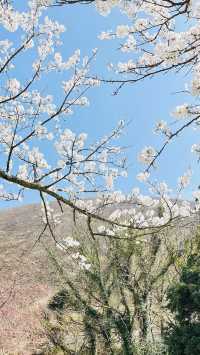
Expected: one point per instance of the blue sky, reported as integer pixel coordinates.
(142, 104)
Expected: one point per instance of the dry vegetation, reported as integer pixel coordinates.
(28, 278)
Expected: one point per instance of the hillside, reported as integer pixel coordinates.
(27, 277)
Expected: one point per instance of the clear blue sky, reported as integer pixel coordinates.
(142, 104)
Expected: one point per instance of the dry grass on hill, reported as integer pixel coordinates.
(26, 278)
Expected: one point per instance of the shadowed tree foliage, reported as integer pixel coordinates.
(113, 306)
(183, 336)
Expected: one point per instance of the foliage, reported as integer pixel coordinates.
(183, 336)
(149, 348)
(115, 304)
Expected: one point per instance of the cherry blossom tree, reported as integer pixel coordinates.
(34, 123)
(39, 152)
(159, 37)
(163, 37)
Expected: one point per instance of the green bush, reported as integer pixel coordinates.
(150, 348)
(183, 336)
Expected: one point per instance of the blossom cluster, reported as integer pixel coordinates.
(38, 150)
(70, 246)
(158, 44)
(29, 116)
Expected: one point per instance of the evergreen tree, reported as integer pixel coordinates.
(183, 336)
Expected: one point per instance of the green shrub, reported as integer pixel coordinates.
(150, 348)
(183, 336)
